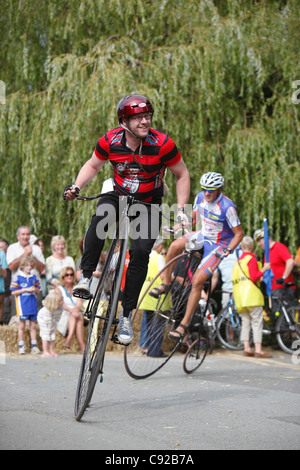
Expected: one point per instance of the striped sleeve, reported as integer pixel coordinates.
(37, 283)
(14, 285)
(170, 154)
(102, 148)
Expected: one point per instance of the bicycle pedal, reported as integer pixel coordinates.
(115, 340)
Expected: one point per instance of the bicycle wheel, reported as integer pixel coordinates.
(195, 355)
(229, 327)
(151, 347)
(101, 312)
(288, 330)
(202, 324)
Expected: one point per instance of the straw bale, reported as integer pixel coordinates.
(9, 335)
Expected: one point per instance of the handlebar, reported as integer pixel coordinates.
(116, 196)
(132, 200)
(283, 283)
(175, 232)
(86, 198)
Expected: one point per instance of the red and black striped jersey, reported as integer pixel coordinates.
(140, 172)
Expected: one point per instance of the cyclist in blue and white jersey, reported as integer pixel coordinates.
(218, 215)
(220, 233)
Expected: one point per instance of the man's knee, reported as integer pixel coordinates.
(199, 279)
(176, 247)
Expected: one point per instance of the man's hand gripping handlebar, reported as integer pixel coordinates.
(71, 192)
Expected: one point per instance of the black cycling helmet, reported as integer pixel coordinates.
(133, 104)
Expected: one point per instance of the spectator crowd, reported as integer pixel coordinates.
(38, 290)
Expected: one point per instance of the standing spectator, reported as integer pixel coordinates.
(282, 264)
(17, 251)
(296, 271)
(20, 249)
(25, 286)
(248, 297)
(72, 307)
(297, 258)
(150, 324)
(225, 269)
(48, 318)
(3, 274)
(4, 244)
(39, 242)
(57, 261)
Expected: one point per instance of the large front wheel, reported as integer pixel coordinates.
(100, 312)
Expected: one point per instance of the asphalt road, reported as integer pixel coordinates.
(231, 402)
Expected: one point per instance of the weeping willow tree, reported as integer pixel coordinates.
(219, 74)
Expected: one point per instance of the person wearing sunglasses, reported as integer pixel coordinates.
(220, 234)
(71, 320)
(139, 155)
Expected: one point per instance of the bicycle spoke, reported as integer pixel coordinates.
(152, 348)
(90, 367)
(100, 313)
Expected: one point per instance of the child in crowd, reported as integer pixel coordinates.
(25, 286)
(48, 318)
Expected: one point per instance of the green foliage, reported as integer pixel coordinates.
(220, 77)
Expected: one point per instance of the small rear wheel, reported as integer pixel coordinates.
(195, 355)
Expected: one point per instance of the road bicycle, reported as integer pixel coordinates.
(101, 311)
(204, 320)
(202, 334)
(229, 325)
(286, 326)
(195, 355)
(152, 348)
(283, 325)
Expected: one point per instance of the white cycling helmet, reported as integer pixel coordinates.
(212, 180)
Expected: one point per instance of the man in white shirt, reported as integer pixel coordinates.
(17, 251)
